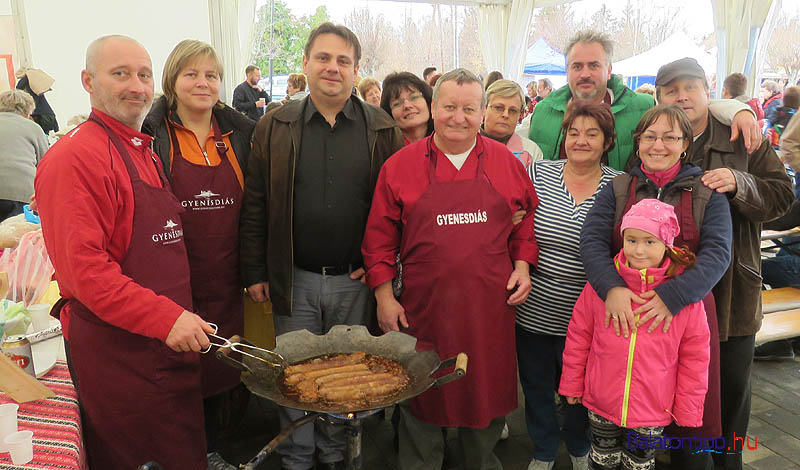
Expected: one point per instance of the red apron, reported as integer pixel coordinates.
(690, 236)
(455, 295)
(141, 400)
(212, 197)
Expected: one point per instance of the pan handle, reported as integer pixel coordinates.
(460, 370)
(224, 355)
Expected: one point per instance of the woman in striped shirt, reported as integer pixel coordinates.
(566, 190)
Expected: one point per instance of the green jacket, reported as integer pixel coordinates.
(628, 107)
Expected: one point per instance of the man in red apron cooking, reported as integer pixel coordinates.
(113, 231)
(445, 204)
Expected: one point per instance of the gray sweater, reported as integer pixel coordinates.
(22, 145)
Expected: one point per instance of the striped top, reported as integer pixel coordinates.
(559, 278)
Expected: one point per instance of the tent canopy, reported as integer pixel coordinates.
(541, 58)
(675, 47)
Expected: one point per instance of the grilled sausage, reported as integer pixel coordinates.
(300, 376)
(372, 389)
(318, 364)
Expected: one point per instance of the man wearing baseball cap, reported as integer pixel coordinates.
(758, 190)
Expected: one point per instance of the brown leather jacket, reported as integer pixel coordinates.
(265, 230)
(763, 193)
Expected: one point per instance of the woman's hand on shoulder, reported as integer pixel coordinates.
(618, 310)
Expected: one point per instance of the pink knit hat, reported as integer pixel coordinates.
(654, 217)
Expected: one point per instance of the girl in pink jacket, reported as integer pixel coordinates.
(635, 386)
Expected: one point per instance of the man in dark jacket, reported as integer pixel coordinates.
(311, 175)
(248, 97)
(758, 191)
(42, 114)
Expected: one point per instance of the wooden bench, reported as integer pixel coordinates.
(781, 309)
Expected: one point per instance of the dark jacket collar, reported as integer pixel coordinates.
(376, 118)
(348, 111)
(228, 118)
(719, 136)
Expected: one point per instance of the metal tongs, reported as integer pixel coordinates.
(235, 345)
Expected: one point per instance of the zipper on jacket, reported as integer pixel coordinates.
(629, 370)
(628, 373)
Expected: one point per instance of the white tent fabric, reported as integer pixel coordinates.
(503, 31)
(742, 29)
(675, 47)
(231, 24)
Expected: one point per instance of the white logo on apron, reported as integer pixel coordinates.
(207, 200)
(460, 218)
(171, 235)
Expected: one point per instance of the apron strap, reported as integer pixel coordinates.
(123, 152)
(689, 232)
(616, 236)
(219, 143)
(222, 149)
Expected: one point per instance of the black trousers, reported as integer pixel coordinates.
(10, 208)
(736, 364)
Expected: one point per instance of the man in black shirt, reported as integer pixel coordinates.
(311, 176)
(248, 97)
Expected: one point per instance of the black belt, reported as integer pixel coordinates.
(334, 270)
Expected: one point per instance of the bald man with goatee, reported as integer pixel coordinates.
(113, 231)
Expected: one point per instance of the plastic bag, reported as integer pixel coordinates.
(13, 228)
(29, 269)
(14, 318)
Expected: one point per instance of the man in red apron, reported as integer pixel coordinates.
(113, 231)
(445, 204)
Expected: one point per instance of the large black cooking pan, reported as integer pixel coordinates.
(262, 371)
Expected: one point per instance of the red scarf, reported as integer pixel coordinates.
(660, 178)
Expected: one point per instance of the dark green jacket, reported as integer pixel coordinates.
(628, 107)
(265, 229)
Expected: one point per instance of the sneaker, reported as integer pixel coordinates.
(504, 432)
(580, 463)
(216, 462)
(540, 465)
(774, 350)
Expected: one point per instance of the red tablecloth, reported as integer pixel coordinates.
(56, 426)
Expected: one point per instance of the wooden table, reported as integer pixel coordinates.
(772, 240)
(776, 234)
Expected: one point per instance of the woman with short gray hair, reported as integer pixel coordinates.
(22, 146)
(504, 104)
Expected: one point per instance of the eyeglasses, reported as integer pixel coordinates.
(401, 102)
(666, 139)
(499, 109)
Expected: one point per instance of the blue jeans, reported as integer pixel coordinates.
(784, 269)
(539, 360)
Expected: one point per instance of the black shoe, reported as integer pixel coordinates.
(331, 465)
(774, 350)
